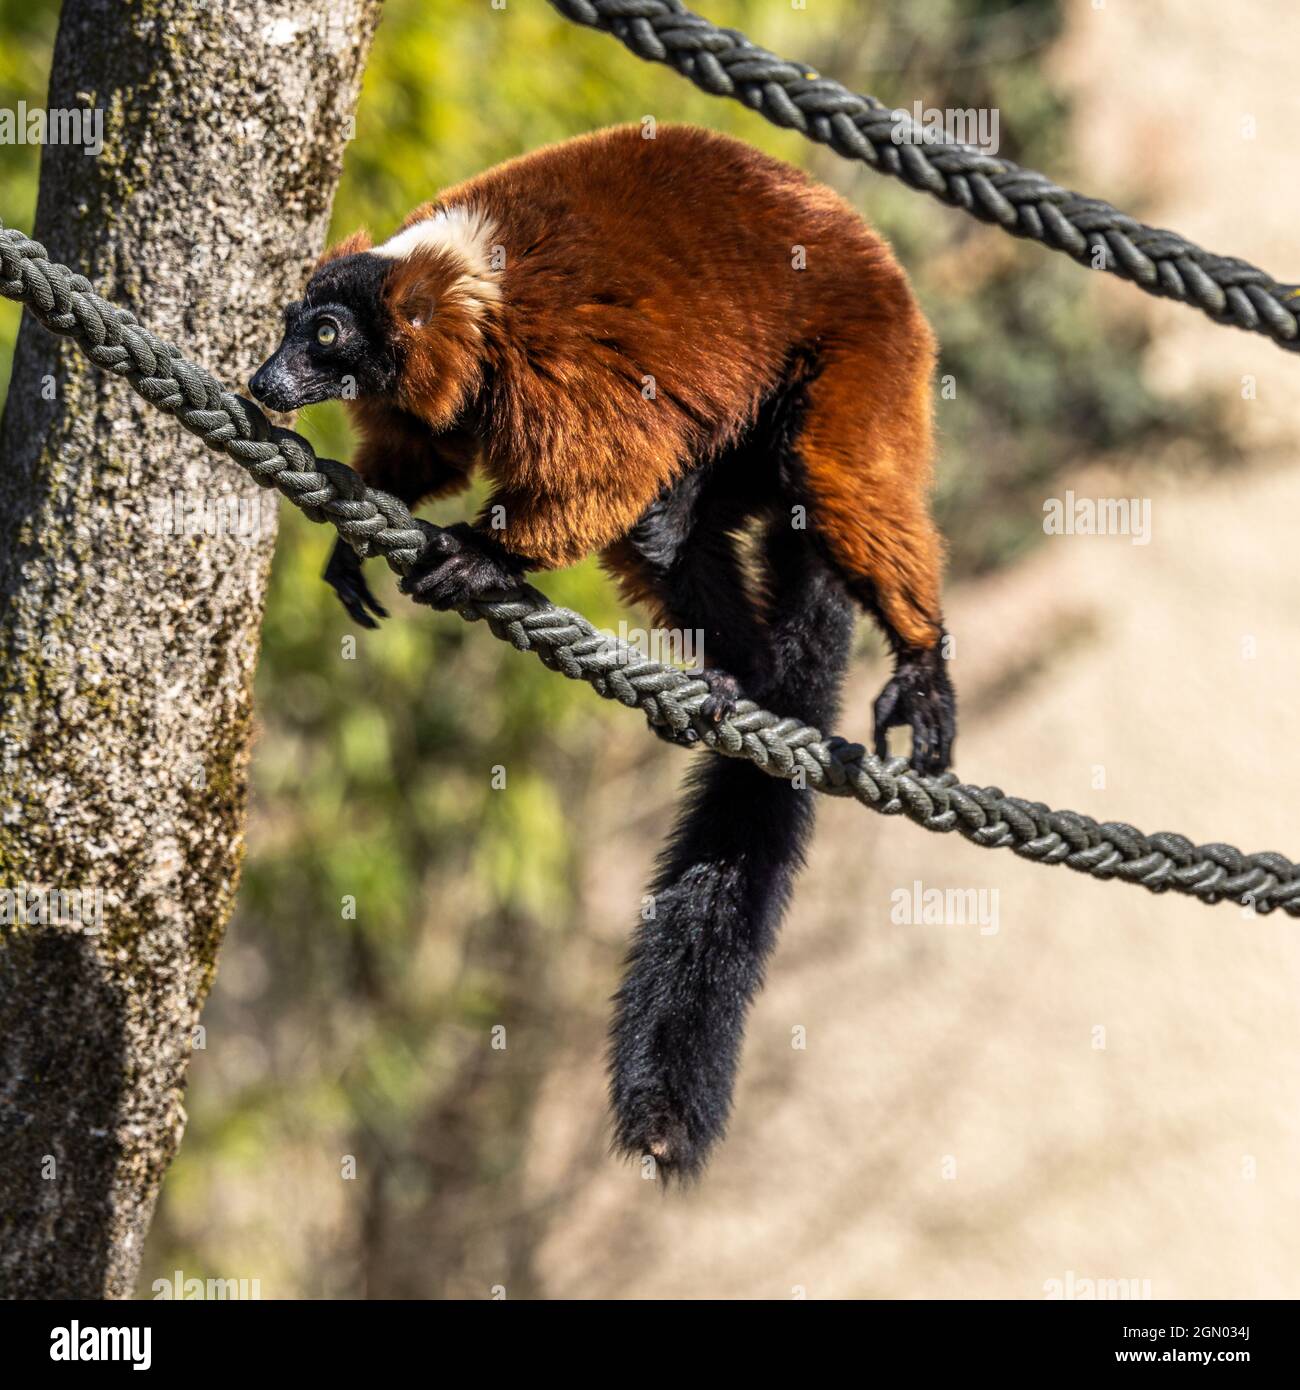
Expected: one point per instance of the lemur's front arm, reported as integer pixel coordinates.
(399, 455)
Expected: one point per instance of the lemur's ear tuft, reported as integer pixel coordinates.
(359, 241)
(417, 282)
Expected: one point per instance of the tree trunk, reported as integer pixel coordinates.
(132, 569)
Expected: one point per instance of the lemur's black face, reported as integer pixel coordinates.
(337, 344)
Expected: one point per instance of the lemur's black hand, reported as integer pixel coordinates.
(346, 577)
(919, 695)
(724, 694)
(719, 704)
(687, 738)
(462, 565)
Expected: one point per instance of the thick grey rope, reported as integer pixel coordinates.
(376, 524)
(725, 63)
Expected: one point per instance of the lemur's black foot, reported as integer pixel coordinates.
(719, 704)
(345, 575)
(461, 566)
(920, 695)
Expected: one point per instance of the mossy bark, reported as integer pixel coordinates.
(127, 642)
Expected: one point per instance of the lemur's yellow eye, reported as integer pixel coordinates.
(326, 334)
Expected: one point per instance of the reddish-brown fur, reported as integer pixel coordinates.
(671, 260)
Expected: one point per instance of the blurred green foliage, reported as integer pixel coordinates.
(26, 40)
(393, 903)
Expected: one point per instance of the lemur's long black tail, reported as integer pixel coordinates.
(722, 885)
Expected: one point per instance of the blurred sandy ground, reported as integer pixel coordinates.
(934, 1049)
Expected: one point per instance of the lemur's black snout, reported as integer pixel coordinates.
(273, 386)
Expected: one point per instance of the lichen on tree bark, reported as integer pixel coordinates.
(127, 649)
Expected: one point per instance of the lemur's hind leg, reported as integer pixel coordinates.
(863, 448)
(681, 560)
(809, 619)
(723, 882)
(399, 456)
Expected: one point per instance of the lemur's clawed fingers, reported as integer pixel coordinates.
(346, 577)
(925, 714)
(681, 738)
(719, 704)
(920, 696)
(724, 693)
(358, 613)
(460, 567)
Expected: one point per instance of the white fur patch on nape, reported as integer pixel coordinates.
(466, 233)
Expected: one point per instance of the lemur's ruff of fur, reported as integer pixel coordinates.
(649, 346)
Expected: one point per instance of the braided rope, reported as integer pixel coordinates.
(725, 63)
(376, 524)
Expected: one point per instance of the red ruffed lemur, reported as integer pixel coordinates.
(693, 360)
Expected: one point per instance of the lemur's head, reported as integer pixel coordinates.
(402, 322)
